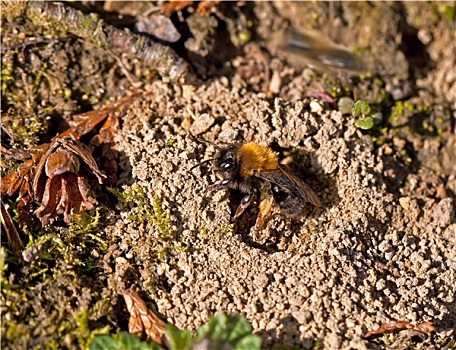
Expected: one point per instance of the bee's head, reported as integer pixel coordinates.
(225, 162)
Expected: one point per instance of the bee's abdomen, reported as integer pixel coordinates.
(289, 200)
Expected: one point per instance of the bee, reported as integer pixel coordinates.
(255, 171)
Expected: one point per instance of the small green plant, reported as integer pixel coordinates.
(367, 116)
(161, 218)
(121, 341)
(221, 332)
(145, 210)
(150, 211)
(224, 229)
(55, 258)
(170, 142)
(400, 109)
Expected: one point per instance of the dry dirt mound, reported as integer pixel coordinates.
(381, 249)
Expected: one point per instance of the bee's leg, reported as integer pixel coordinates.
(245, 202)
(265, 211)
(220, 185)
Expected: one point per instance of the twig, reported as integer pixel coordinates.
(89, 27)
(13, 236)
(30, 41)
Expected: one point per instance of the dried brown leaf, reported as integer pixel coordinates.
(52, 193)
(20, 180)
(11, 183)
(61, 180)
(82, 151)
(205, 7)
(85, 122)
(61, 161)
(14, 153)
(425, 327)
(172, 6)
(142, 319)
(107, 131)
(57, 174)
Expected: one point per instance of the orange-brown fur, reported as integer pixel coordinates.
(254, 157)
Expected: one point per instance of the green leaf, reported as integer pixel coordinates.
(121, 341)
(103, 342)
(228, 331)
(221, 332)
(249, 342)
(361, 107)
(365, 124)
(178, 339)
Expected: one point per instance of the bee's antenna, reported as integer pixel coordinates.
(201, 140)
(201, 163)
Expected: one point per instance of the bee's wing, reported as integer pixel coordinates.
(291, 183)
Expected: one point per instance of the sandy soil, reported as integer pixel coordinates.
(382, 247)
(373, 253)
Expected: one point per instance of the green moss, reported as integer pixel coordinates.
(244, 36)
(399, 109)
(448, 342)
(338, 91)
(133, 196)
(7, 166)
(447, 11)
(25, 118)
(49, 304)
(146, 211)
(12, 9)
(366, 76)
(224, 229)
(7, 70)
(161, 218)
(204, 231)
(83, 332)
(318, 344)
(25, 128)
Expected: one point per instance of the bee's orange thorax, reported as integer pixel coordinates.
(254, 157)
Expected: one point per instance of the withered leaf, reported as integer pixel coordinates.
(61, 161)
(425, 327)
(20, 180)
(204, 7)
(142, 319)
(11, 183)
(14, 153)
(57, 175)
(85, 122)
(107, 131)
(61, 180)
(175, 5)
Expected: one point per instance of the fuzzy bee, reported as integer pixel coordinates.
(254, 170)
